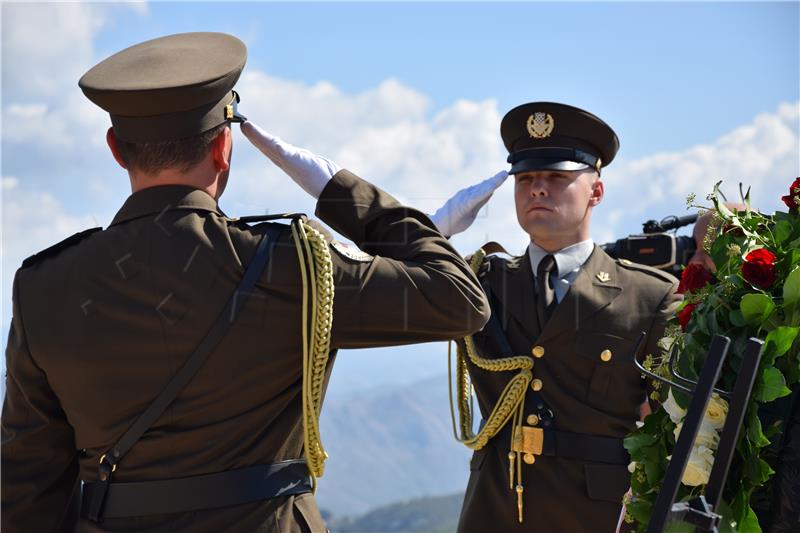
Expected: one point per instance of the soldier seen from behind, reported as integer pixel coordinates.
(175, 362)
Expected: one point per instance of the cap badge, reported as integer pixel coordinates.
(540, 125)
(603, 277)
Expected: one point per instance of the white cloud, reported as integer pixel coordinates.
(46, 46)
(385, 134)
(9, 183)
(763, 154)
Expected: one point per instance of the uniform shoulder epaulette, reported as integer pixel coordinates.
(59, 246)
(496, 257)
(255, 219)
(630, 265)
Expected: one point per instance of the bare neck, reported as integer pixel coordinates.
(200, 177)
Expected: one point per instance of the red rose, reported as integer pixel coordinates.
(759, 268)
(685, 314)
(794, 192)
(694, 277)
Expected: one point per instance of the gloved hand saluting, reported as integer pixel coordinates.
(310, 171)
(459, 212)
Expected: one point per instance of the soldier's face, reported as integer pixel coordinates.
(554, 206)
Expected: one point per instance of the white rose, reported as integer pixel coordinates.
(665, 343)
(675, 411)
(706, 436)
(716, 411)
(699, 466)
(632, 466)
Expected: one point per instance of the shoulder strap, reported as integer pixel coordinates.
(110, 459)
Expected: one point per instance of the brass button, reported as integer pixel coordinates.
(529, 458)
(533, 420)
(536, 384)
(538, 351)
(605, 355)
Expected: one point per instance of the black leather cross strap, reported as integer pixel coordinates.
(221, 489)
(237, 301)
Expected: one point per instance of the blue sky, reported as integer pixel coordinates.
(410, 96)
(673, 74)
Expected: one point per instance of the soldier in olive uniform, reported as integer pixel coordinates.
(552, 370)
(175, 291)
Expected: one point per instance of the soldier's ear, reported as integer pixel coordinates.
(111, 139)
(597, 192)
(221, 149)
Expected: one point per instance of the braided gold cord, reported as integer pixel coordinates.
(511, 398)
(316, 272)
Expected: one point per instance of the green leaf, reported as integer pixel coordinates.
(637, 440)
(736, 318)
(679, 527)
(771, 385)
(749, 523)
(640, 511)
(756, 308)
(754, 431)
(778, 342)
(791, 289)
(782, 231)
(758, 470)
(653, 467)
(727, 524)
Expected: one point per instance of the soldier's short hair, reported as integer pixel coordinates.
(180, 154)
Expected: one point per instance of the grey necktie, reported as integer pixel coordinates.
(546, 297)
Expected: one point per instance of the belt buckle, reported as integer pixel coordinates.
(529, 440)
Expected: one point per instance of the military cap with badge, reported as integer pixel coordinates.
(169, 88)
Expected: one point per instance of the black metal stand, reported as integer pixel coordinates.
(700, 511)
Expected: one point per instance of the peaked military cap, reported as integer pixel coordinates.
(169, 88)
(551, 136)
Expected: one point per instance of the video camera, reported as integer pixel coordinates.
(656, 247)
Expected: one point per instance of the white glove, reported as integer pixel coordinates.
(459, 212)
(310, 171)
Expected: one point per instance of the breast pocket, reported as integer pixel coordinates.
(613, 370)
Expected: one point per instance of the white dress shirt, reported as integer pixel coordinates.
(569, 261)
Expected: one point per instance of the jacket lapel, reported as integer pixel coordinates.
(593, 289)
(515, 296)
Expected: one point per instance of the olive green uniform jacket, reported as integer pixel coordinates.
(587, 394)
(103, 321)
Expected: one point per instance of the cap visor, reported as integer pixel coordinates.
(532, 164)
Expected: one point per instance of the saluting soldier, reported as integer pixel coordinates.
(552, 370)
(176, 360)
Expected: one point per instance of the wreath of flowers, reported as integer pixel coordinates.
(755, 292)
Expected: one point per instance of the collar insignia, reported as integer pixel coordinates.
(603, 277)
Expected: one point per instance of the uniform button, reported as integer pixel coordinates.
(538, 351)
(536, 384)
(605, 355)
(529, 458)
(533, 420)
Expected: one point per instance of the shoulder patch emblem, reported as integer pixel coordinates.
(351, 252)
(56, 248)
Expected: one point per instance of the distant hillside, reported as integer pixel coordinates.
(431, 515)
(389, 445)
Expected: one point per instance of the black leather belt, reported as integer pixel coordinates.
(579, 446)
(221, 489)
(589, 448)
